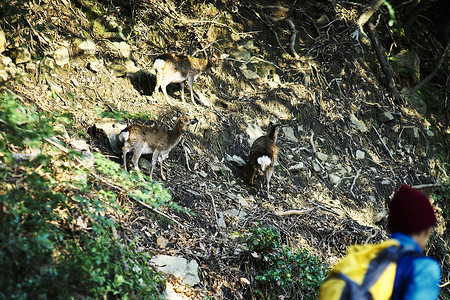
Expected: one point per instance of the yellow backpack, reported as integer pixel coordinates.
(366, 272)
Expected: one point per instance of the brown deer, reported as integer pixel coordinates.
(143, 139)
(174, 68)
(263, 155)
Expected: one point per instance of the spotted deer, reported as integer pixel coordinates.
(142, 139)
(178, 68)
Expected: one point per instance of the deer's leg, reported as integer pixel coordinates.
(155, 157)
(164, 84)
(158, 84)
(190, 81)
(137, 154)
(182, 91)
(125, 150)
(269, 173)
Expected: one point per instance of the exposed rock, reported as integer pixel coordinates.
(30, 67)
(241, 55)
(123, 48)
(61, 56)
(111, 129)
(249, 45)
(5, 60)
(289, 134)
(2, 41)
(22, 56)
(412, 132)
(410, 61)
(221, 221)
(88, 158)
(297, 167)
(94, 64)
(357, 123)
(179, 267)
(3, 75)
(322, 156)
(249, 74)
(237, 159)
(161, 242)
(86, 47)
(416, 101)
(385, 117)
(360, 154)
(240, 214)
(335, 179)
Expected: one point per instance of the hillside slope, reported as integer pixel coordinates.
(348, 139)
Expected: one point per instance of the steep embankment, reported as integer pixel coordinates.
(346, 143)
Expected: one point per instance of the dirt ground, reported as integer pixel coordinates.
(327, 97)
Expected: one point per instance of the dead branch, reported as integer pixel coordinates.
(387, 149)
(381, 54)
(370, 10)
(294, 212)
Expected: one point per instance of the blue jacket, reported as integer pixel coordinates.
(417, 277)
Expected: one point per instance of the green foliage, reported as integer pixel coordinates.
(58, 237)
(122, 115)
(392, 20)
(283, 270)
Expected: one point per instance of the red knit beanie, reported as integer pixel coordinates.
(410, 211)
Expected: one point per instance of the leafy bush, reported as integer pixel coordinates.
(282, 270)
(57, 232)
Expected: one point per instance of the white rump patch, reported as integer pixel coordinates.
(124, 136)
(159, 63)
(264, 161)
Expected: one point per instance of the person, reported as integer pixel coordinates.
(410, 221)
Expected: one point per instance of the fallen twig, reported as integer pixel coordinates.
(387, 149)
(294, 212)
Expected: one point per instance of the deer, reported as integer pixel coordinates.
(142, 139)
(178, 68)
(262, 156)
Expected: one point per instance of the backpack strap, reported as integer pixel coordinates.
(379, 264)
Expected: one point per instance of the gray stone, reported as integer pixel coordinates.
(3, 75)
(179, 267)
(410, 61)
(111, 129)
(61, 56)
(289, 134)
(385, 117)
(241, 55)
(416, 101)
(123, 48)
(297, 167)
(5, 60)
(236, 213)
(87, 47)
(235, 158)
(335, 179)
(22, 56)
(221, 221)
(322, 156)
(249, 74)
(360, 154)
(357, 123)
(2, 41)
(94, 65)
(412, 132)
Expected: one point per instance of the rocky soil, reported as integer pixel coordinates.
(347, 141)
